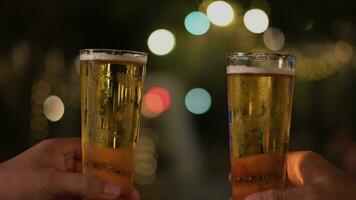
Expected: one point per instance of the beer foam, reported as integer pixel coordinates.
(243, 69)
(125, 57)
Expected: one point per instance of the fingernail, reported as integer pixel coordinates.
(112, 189)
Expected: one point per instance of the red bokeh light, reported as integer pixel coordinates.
(163, 94)
(155, 101)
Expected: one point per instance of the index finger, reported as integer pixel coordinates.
(71, 147)
(306, 167)
(256, 165)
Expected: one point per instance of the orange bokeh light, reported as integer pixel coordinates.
(163, 94)
(153, 103)
(156, 101)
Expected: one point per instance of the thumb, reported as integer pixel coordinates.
(290, 194)
(83, 185)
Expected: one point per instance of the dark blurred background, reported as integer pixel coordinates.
(183, 151)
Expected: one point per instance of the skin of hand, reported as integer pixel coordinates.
(311, 177)
(52, 170)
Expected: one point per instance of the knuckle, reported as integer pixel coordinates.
(311, 155)
(48, 142)
(279, 195)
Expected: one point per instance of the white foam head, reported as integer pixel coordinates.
(242, 69)
(125, 57)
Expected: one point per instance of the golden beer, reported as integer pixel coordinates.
(259, 107)
(111, 94)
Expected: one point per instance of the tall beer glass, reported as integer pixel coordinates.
(260, 90)
(111, 94)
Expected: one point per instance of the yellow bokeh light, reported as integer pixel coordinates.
(256, 20)
(343, 52)
(40, 90)
(161, 42)
(220, 13)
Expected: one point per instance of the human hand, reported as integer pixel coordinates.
(311, 177)
(52, 170)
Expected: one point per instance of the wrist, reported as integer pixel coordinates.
(5, 182)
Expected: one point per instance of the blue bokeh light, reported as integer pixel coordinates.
(198, 101)
(197, 23)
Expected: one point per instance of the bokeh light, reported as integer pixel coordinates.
(146, 161)
(40, 90)
(146, 145)
(163, 94)
(53, 108)
(308, 25)
(20, 55)
(198, 101)
(197, 23)
(54, 62)
(321, 60)
(38, 123)
(220, 13)
(161, 42)
(343, 51)
(76, 64)
(256, 20)
(152, 105)
(274, 39)
(155, 101)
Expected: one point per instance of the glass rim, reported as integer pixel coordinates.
(113, 52)
(262, 56)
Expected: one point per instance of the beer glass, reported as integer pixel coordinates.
(111, 95)
(260, 90)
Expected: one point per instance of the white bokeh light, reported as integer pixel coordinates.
(161, 42)
(53, 108)
(256, 20)
(274, 39)
(220, 13)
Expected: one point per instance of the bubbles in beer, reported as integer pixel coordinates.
(198, 101)
(161, 42)
(256, 20)
(220, 13)
(53, 108)
(197, 23)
